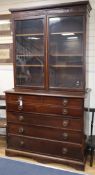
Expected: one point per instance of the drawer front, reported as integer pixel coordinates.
(52, 148)
(45, 109)
(45, 132)
(64, 101)
(56, 121)
(42, 104)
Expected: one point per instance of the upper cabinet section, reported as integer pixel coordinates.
(49, 47)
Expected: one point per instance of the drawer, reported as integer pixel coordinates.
(45, 109)
(45, 132)
(41, 104)
(64, 101)
(52, 148)
(55, 121)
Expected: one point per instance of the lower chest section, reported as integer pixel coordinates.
(46, 125)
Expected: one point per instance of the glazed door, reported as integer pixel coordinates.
(30, 53)
(65, 56)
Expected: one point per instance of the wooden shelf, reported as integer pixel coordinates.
(54, 55)
(30, 34)
(28, 65)
(66, 66)
(60, 33)
(33, 55)
(66, 54)
(21, 76)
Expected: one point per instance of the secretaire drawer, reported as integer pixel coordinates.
(55, 121)
(45, 132)
(52, 148)
(19, 102)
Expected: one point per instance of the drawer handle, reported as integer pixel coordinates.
(64, 150)
(21, 130)
(77, 83)
(65, 102)
(65, 135)
(21, 118)
(65, 123)
(20, 103)
(22, 143)
(65, 111)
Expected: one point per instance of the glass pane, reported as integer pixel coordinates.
(32, 26)
(66, 52)
(62, 77)
(66, 45)
(30, 53)
(66, 24)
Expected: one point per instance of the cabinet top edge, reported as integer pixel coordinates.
(87, 3)
(50, 93)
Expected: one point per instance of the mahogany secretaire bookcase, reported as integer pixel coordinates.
(45, 110)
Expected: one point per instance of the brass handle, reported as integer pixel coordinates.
(22, 143)
(65, 135)
(65, 123)
(64, 150)
(21, 130)
(65, 111)
(65, 102)
(77, 83)
(20, 103)
(21, 118)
